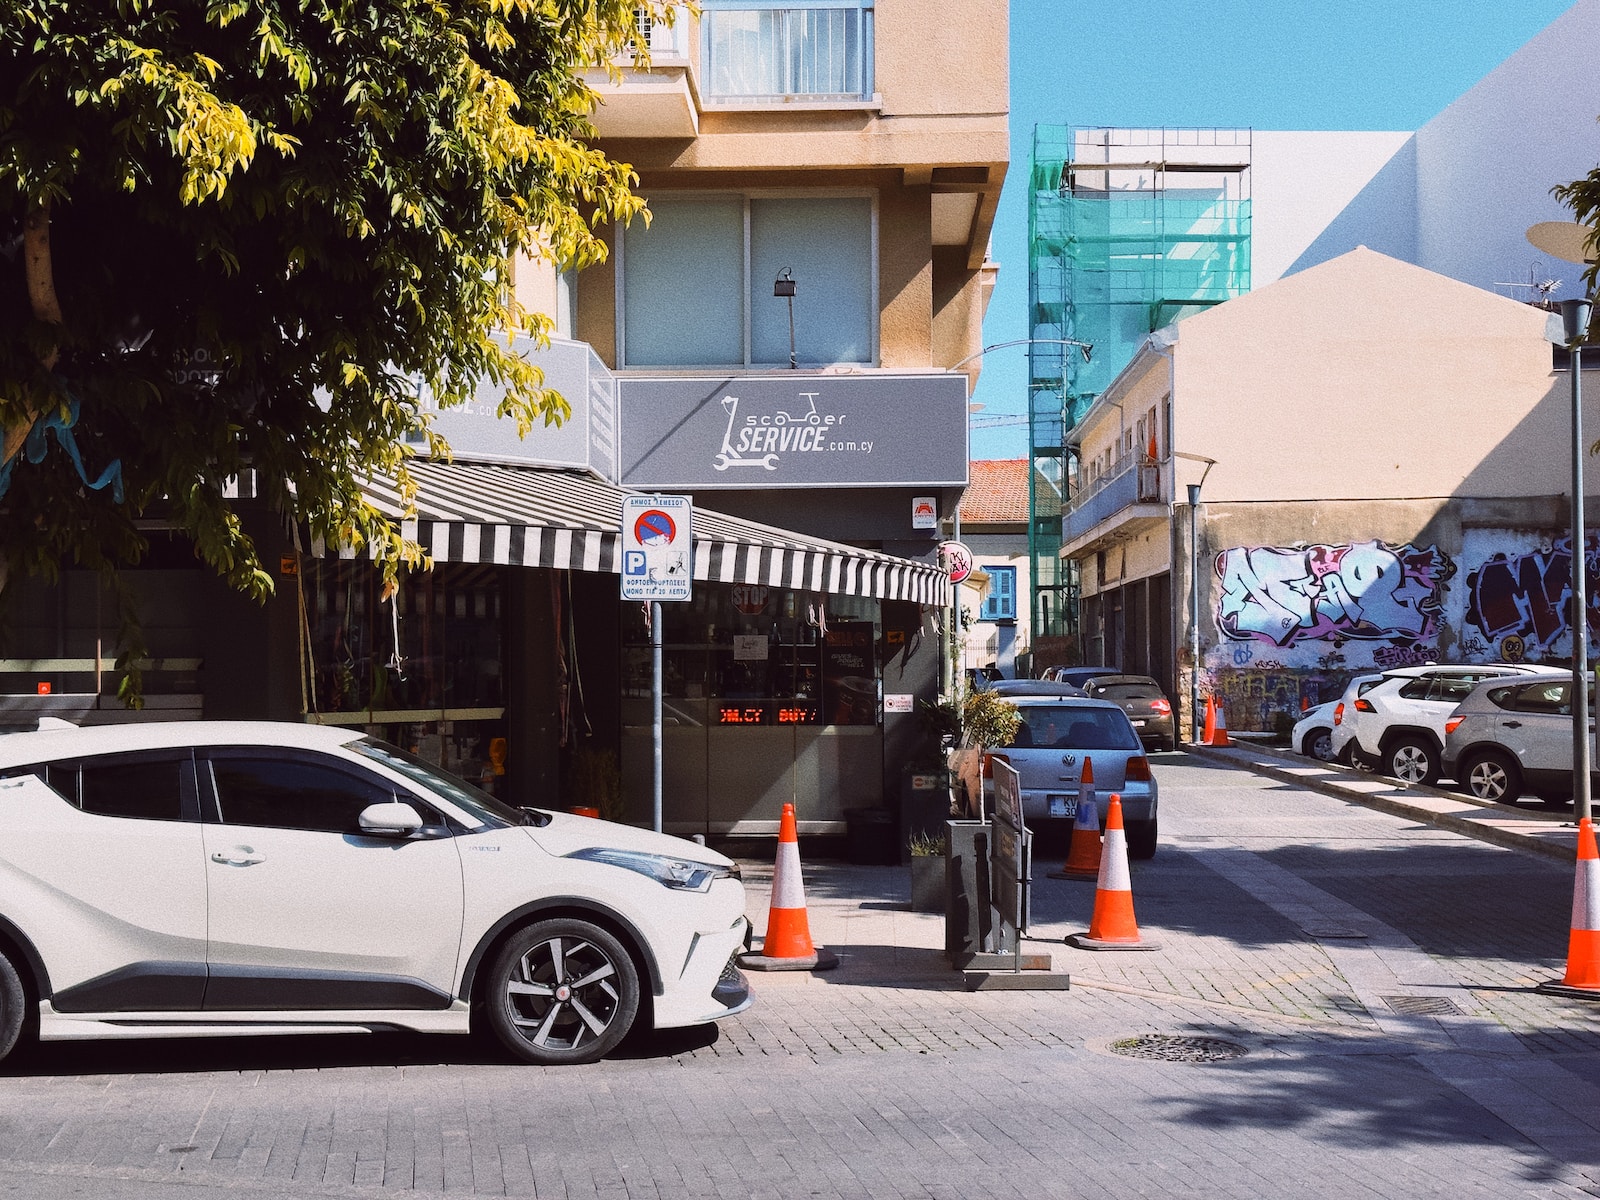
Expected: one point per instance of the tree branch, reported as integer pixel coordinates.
(46, 304)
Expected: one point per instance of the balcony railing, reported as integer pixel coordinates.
(1135, 480)
(805, 50)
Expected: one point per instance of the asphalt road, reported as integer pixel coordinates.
(1362, 984)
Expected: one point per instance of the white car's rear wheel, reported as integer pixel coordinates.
(562, 991)
(13, 1006)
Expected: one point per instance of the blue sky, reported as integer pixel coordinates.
(1284, 64)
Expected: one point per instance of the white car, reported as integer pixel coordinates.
(1397, 724)
(1312, 734)
(216, 878)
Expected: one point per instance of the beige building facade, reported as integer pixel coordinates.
(1383, 462)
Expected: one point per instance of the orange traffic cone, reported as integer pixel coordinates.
(1583, 947)
(1210, 729)
(1083, 860)
(788, 946)
(1112, 926)
(1219, 735)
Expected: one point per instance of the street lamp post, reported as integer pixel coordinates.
(1575, 321)
(1194, 611)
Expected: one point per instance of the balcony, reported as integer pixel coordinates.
(1133, 497)
(661, 102)
(816, 52)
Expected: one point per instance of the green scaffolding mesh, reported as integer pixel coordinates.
(1128, 230)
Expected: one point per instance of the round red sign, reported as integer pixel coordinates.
(957, 560)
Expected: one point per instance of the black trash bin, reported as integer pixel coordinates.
(871, 836)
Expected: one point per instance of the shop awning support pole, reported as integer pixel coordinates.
(655, 713)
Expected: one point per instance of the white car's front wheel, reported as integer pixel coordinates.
(562, 991)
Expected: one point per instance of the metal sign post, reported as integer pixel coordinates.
(657, 565)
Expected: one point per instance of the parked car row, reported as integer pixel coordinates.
(1500, 730)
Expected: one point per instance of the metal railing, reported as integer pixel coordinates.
(804, 50)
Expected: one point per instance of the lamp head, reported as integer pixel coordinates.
(1575, 319)
(1084, 350)
(783, 285)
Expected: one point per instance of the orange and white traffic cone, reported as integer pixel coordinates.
(788, 945)
(1112, 927)
(1219, 735)
(1210, 729)
(1083, 859)
(1583, 946)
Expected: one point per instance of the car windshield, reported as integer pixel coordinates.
(474, 801)
(1070, 728)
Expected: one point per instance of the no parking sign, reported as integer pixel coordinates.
(656, 545)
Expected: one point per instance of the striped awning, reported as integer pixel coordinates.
(571, 519)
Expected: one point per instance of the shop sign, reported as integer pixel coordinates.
(924, 512)
(656, 542)
(793, 430)
(750, 598)
(957, 560)
(749, 647)
(897, 702)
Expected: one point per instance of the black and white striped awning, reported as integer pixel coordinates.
(570, 519)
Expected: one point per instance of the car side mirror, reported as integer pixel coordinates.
(394, 819)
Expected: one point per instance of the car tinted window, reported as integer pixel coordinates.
(489, 811)
(1540, 698)
(143, 787)
(1453, 688)
(288, 794)
(1416, 689)
(1079, 728)
(1126, 691)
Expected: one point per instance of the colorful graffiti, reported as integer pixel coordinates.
(1253, 699)
(1370, 590)
(1521, 601)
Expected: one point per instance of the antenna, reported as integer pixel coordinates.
(1544, 287)
(1566, 240)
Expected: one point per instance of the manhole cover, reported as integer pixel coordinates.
(1423, 1006)
(1173, 1048)
(1332, 931)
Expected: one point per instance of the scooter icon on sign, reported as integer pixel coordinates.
(728, 456)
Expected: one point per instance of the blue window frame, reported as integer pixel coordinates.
(1001, 602)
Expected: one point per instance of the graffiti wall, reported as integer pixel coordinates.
(1295, 623)
(1518, 595)
(1301, 601)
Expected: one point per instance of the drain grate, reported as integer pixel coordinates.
(1423, 1006)
(1169, 1047)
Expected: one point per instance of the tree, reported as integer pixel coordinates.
(244, 234)
(1583, 197)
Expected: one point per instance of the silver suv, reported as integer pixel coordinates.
(1057, 736)
(1398, 724)
(1507, 738)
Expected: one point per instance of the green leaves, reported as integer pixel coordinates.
(273, 224)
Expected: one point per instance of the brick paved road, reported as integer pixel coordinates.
(1377, 972)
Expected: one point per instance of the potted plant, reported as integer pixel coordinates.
(927, 872)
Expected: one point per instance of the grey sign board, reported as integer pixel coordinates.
(587, 438)
(793, 430)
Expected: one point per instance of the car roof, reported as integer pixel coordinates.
(1456, 668)
(21, 749)
(1105, 679)
(1065, 701)
(1017, 688)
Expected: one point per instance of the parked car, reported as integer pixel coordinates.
(1078, 676)
(1142, 699)
(230, 878)
(1057, 736)
(979, 678)
(1510, 737)
(1397, 725)
(1312, 734)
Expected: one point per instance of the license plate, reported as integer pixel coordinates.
(1138, 723)
(1063, 806)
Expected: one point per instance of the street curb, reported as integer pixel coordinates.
(1250, 759)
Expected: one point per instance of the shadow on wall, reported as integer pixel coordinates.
(1382, 216)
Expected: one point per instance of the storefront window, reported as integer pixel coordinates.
(749, 655)
(421, 670)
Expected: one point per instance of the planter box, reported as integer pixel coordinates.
(927, 882)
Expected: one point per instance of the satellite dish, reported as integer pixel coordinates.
(1566, 240)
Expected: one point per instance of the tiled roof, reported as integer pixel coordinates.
(997, 493)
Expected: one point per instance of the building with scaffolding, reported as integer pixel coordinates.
(1129, 229)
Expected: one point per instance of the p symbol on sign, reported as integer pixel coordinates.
(633, 562)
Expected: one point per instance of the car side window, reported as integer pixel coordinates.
(1416, 689)
(1540, 698)
(279, 793)
(153, 786)
(1453, 688)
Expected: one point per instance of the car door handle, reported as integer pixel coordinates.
(1513, 724)
(240, 857)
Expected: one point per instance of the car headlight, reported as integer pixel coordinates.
(679, 874)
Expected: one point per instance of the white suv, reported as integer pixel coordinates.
(222, 878)
(1397, 725)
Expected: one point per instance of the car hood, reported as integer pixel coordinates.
(567, 833)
